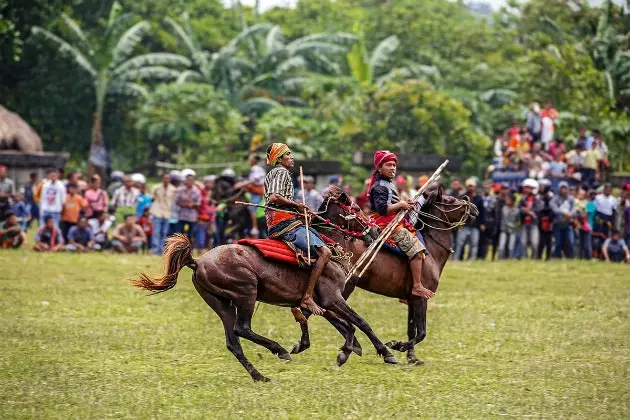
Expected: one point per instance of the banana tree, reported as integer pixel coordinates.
(110, 61)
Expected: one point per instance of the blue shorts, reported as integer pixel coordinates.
(254, 199)
(297, 236)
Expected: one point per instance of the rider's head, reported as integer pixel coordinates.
(386, 163)
(279, 154)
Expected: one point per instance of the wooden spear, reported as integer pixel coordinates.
(308, 236)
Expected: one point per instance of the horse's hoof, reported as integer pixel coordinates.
(299, 348)
(342, 358)
(284, 356)
(390, 360)
(415, 361)
(257, 377)
(356, 349)
(397, 345)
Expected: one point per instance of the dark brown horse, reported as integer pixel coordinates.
(231, 278)
(390, 275)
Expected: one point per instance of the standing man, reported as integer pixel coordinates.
(29, 197)
(254, 184)
(534, 122)
(7, 190)
(530, 207)
(53, 195)
(125, 198)
(163, 196)
(312, 198)
(605, 205)
(188, 198)
(471, 232)
(287, 227)
(563, 207)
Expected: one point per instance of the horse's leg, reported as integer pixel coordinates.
(227, 313)
(243, 328)
(340, 325)
(341, 308)
(416, 330)
(348, 346)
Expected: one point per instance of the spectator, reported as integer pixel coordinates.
(144, 198)
(7, 189)
(176, 181)
(547, 131)
(530, 206)
(493, 229)
(11, 236)
(470, 232)
(605, 205)
(163, 196)
(53, 194)
(125, 198)
(128, 236)
(557, 168)
(583, 140)
(510, 217)
(313, 198)
(592, 157)
(147, 226)
(563, 207)
(76, 178)
(29, 197)
(363, 201)
(115, 183)
(48, 237)
(557, 147)
(456, 190)
(603, 151)
(403, 188)
(626, 216)
(615, 248)
(545, 217)
(575, 161)
(187, 198)
(21, 211)
(95, 197)
(255, 186)
(534, 122)
(583, 226)
(333, 180)
(72, 206)
(80, 237)
(536, 162)
(549, 111)
(100, 225)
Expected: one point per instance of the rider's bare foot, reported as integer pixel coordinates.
(422, 292)
(309, 303)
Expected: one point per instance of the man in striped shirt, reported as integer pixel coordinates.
(283, 224)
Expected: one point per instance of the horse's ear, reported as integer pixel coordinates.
(440, 192)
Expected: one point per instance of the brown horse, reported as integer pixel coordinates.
(231, 278)
(390, 275)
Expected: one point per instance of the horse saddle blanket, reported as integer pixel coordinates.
(273, 249)
(392, 247)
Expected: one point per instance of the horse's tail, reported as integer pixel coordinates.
(178, 254)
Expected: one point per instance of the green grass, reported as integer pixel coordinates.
(514, 339)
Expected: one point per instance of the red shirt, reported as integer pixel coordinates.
(146, 224)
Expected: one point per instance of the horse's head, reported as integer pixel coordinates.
(446, 212)
(344, 214)
(223, 188)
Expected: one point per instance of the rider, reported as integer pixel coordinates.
(385, 202)
(286, 225)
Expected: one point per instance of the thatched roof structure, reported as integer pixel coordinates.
(16, 134)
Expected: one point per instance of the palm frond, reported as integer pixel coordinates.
(328, 65)
(251, 31)
(339, 38)
(153, 59)
(76, 29)
(65, 48)
(189, 76)
(149, 73)
(315, 47)
(294, 84)
(291, 64)
(383, 53)
(184, 37)
(257, 106)
(498, 97)
(128, 89)
(274, 39)
(129, 40)
(113, 31)
(358, 62)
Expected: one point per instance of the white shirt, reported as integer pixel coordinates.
(547, 130)
(53, 195)
(257, 174)
(606, 205)
(99, 231)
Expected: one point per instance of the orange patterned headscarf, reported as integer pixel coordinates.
(277, 151)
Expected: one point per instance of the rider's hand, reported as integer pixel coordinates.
(302, 208)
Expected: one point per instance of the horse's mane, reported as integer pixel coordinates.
(338, 194)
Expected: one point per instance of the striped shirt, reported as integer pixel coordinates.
(278, 181)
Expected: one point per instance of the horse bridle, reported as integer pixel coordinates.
(350, 215)
(449, 224)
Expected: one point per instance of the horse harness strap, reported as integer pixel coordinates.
(428, 234)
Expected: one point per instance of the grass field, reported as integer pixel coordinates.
(515, 339)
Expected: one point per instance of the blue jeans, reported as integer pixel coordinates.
(56, 216)
(564, 239)
(586, 245)
(160, 232)
(297, 236)
(467, 234)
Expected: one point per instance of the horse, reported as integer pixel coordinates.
(232, 278)
(390, 274)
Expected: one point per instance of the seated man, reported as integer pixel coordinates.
(286, 226)
(80, 237)
(11, 235)
(384, 200)
(100, 225)
(615, 248)
(129, 236)
(48, 237)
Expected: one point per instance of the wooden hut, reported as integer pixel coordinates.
(21, 149)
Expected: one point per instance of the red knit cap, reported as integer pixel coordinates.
(384, 156)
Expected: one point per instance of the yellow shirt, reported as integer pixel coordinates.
(591, 157)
